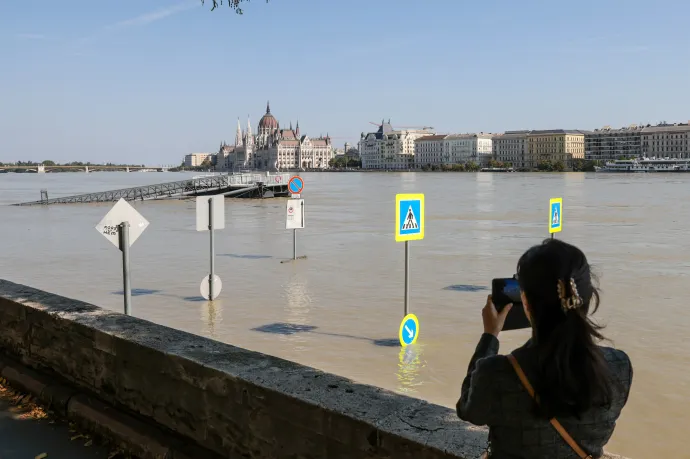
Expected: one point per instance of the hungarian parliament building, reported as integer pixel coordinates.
(273, 148)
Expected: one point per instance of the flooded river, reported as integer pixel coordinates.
(339, 309)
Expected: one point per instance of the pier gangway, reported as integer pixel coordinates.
(238, 185)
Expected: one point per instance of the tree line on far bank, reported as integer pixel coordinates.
(22, 165)
(340, 162)
(578, 165)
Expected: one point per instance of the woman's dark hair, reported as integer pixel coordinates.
(572, 374)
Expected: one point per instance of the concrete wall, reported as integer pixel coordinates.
(235, 402)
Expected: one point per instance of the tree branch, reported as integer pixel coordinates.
(234, 4)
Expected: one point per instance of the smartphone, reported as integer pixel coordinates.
(506, 291)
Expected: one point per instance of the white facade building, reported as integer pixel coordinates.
(452, 149)
(388, 148)
(430, 151)
(465, 148)
(511, 147)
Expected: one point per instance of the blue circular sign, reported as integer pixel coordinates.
(409, 330)
(296, 185)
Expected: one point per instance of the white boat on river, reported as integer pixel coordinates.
(647, 165)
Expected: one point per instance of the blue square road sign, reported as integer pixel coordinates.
(409, 217)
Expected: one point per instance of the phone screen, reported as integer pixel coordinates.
(511, 289)
(506, 291)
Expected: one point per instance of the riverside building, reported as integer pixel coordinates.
(554, 145)
(390, 149)
(666, 141)
(435, 150)
(607, 144)
(430, 150)
(197, 159)
(466, 148)
(511, 147)
(273, 148)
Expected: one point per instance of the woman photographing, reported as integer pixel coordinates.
(559, 395)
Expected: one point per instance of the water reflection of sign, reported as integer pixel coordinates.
(211, 314)
(555, 215)
(409, 366)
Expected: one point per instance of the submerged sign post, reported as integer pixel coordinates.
(294, 211)
(294, 220)
(409, 226)
(210, 216)
(555, 216)
(122, 226)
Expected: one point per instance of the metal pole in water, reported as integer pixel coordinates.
(407, 277)
(212, 250)
(294, 244)
(124, 247)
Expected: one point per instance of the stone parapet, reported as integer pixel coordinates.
(231, 401)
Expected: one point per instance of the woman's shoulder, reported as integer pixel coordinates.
(619, 362)
(615, 356)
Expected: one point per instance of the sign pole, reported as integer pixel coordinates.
(409, 226)
(294, 205)
(212, 249)
(407, 277)
(210, 216)
(122, 226)
(124, 247)
(294, 244)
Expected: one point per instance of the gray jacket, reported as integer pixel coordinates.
(493, 395)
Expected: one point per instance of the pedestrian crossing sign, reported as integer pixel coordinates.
(555, 215)
(409, 217)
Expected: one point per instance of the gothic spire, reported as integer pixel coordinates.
(249, 132)
(268, 107)
(297, 129)
(238, 134)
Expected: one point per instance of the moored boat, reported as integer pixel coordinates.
(647, 165)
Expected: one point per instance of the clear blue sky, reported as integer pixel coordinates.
(149, 81)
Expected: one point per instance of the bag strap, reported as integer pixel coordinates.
(554, 422)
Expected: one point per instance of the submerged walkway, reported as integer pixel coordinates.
(25, 434)
(230, 185)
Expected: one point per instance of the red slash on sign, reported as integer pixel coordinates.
(290, 210)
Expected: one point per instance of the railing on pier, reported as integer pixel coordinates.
(190, 187)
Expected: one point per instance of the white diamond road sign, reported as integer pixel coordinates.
(122, 211)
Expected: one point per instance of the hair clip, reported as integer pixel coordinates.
(569, 302)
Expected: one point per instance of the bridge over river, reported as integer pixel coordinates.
(42, 168)
(235, 185)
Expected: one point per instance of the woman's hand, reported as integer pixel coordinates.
(494, 320)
